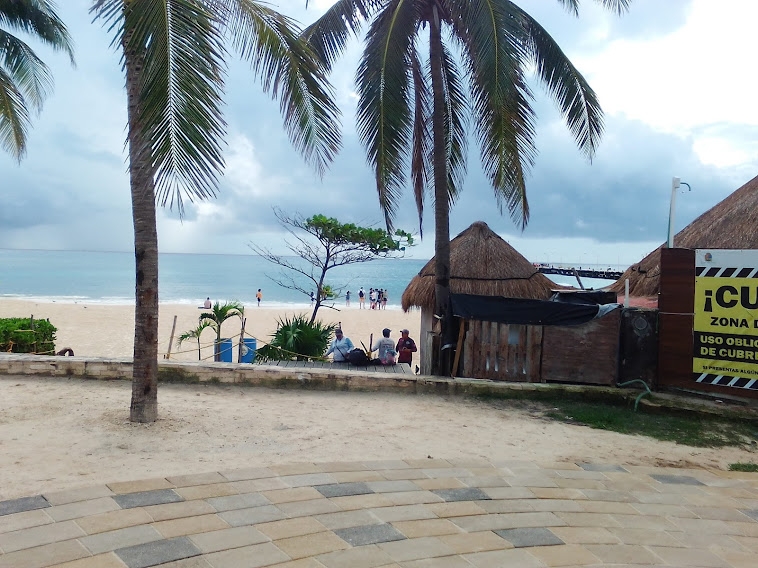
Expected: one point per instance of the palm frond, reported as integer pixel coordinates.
(14, 117)
(38, 19)
(385, 118)
(421, 145)
(456, 122)
(30, 75)
(292, 72)
(575, 98)
(329, 34)
(495, 56)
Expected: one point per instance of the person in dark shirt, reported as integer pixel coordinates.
(406, 347)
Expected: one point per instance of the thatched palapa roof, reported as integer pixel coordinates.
(481, 263)
(730, 224)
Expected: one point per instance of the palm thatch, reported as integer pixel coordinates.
(481, 263)
(730, 224)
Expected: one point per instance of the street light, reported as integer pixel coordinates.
(675, 183)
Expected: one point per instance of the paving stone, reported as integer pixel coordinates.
(752, 513)
(107, 560)
(446, 562)
(340, 466)
(403, 513)
(23, 504)
(456, 509)
(508, 493)
(353, 502)
(645, 537)
(463, 543)
(232, 502)
(482, 481)
(347, 519)
(114, 520)
(193, 562)
(158, 552)
(351, 476)
(41, 556)
(564, 555)
(416, 548)
(369, 534)
(413, 497)
(587, 535)
(196, 479)
(130, 536)
(39, 536)
(24, 520)
(448, 472)
(664, 510)
(206, 491)
(719, 514)
(602, 467)
(676, 479)
(465, 494)
(81, 494)
(310, 545)
(309, 479)
(608, 495)
(290, 527)
(395, 474)
(386, 464)
(343, 489)
(688, 557)
(235, 537)
(439, 483)
(392, 486)
(147, 498)
(293, 494)
(82, 509)
(190, 525)
(509, 521)
(513, 558)
(704, 526)
(642, 522)
(249, 473)
(295, 468)
(369, 556)
(179, 510)
(531, 481)
(140, 485)
(428, 463)
(252, 516)
(308, 508)
(426, 527)
(534, 536)
(255, 485)
(610, 507)
(253, 556)
(588, 519)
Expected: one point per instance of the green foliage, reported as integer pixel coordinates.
(17, 336)
(374, 241)
(742, 466)
(217, 316)
(195, 334)
(298, 339)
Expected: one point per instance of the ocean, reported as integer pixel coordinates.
(108, 278)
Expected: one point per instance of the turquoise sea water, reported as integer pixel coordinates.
(108, 277)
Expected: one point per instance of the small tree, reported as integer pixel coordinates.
(217, 316)
(195, 334)
(326, 245)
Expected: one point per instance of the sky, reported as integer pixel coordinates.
(672, 77)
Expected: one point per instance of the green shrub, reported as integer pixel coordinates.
(17, 336)
(297, 339)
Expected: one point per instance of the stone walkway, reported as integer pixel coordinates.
(409, 514)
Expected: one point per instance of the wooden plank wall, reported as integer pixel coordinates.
(488, 354)
(676, 319)
(587, 353)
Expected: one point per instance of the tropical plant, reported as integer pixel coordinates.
(217, 316)
(297, 338)
(25, 80)
(325, 243)
(195, 334)
(414, 109)
(174, 58)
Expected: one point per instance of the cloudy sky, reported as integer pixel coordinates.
(674, 79)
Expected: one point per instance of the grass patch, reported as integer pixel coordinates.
(689, 430)
(741, 466)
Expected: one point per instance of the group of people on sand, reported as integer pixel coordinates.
(388, 352)
(377, 298)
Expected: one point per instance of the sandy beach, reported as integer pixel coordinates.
(103, 330)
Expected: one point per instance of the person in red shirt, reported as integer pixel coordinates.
(406, 347)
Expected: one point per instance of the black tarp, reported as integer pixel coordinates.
(524, 312)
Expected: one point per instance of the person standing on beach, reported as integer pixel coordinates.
(384, 299)
(259, 297)
(372, 298)
(406, 347)
(341, 346)
(347, 299)
(361, 299)
(385, 348)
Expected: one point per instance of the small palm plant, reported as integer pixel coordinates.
(298, 339)
(195, 334)
(217, 316)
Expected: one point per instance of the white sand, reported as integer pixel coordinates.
(63, 433)
(101, 330)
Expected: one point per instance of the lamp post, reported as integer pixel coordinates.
(675, 184)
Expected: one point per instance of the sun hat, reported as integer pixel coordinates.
(404, 331)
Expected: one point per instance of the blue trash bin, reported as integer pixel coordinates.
(224, 349)
(248, 350)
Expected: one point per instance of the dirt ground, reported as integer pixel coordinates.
(62, 433)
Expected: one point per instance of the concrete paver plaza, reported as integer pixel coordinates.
(411, 513)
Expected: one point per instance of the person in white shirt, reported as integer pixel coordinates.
(385, 347)
(340, 346)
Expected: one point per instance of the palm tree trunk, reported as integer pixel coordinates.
(441, 203)
(144, 405)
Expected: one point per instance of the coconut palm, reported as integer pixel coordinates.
(174, 58)
(25, 80)
(217, 316)
(414, 107)
(195, 334)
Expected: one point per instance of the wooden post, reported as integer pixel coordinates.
(242, 341)
(458, 348)
(171, 340)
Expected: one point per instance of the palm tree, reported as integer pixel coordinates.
(25, 80)
(413, 110)
(195, 334)
(174, 56)
(217, 316)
